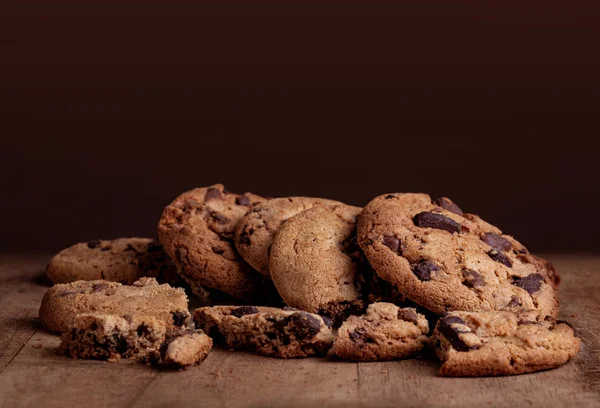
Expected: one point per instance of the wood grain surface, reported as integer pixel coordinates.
(33, 375)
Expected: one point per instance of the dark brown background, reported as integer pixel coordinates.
(108, 111)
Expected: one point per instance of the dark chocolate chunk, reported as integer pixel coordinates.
(94, 244)
(496, 241)
(179, 318)
(221, 219)
(438, 221)
(531, 283)
(244, 310)
(97, 287)
(408, 316)
(500, 257)
(212, 194)
(471, 278)
(389, 196)
(243, 200)
(303, 325)
(244, 238)
(423, 269)
(514, 302)
(449, 205)
(218, 251)
(357, 334)
(327, 320)
(452, 332)
(392, 243)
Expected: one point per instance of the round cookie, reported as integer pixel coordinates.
(62, 302)
(197, 231)
(501, 343)
(122, 260)
(445, 260)
(384, 332)
(254, 233)
(316, 264)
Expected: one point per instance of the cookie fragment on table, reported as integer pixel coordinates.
(138, 338)
(501, 343)
(272, 332)
(384, 332)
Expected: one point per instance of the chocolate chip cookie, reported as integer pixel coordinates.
(282, 333)
(122, 260)
(63, 302)
(445, 260)
(255, 232)
(140, 338)
(501, 343)
(384, 332)
(197, 231)
(316, 264)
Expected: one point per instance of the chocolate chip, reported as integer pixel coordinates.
(438, 221)
(180, 317)
(94, 244)
(392, 243)
(244, 310)
(212, 194)
(423, 269)
(449, 205)
(143, 330)
(98, 287)
(67, 293)
(221, 219)
(408, 316)
(243, 200)
(514, 302)
(218, 251)
(357, 334)
(500, 257)
(496, 241)
(389, 196)
(244, 238)
(328, 322)
(472, 278)
(303, 325)
(452, 332)
(531, 283)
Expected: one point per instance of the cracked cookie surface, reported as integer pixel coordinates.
(444, 260)
(197, 231)
(62, 302)
(122, 260)
(316, 264)
(272, 332)
(255, 232)
(384, 332)
(501, 343)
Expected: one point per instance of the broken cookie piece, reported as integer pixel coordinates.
(282, 333)
(139, 338)
(384, 332)
(501, 343)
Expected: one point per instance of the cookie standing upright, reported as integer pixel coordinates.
(446, 260)
(122, 260)
(316, 264)
(254, 233)
(197, 231)
(501, 343)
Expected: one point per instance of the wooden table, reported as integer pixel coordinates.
(32, 374)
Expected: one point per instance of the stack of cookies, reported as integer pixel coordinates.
(298, 277)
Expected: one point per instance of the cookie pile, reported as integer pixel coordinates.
(296, 277)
